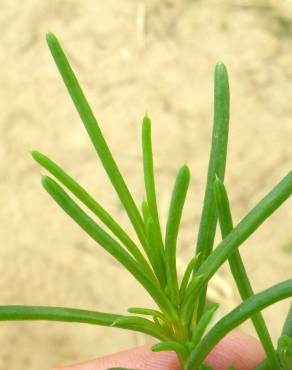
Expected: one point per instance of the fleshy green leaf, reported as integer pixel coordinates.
(64, 314)
(171, 346)
(120, 368)
(150, 183)
(158, 318)
(107, 242)
(173, 221)
(129, 322)
(96, 135)
(217, 163)
(287, 328)
(203, 324)
(93, 205)
(147, 312)
(190, 301)
(236, 317)
(285, 352)
(273, 200)
(239, 273)
(152, 247)
(192, 265)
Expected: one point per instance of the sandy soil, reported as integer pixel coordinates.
(133, 56)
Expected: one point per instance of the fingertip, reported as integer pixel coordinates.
(237, 349)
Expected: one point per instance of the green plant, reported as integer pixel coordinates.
(182, 317)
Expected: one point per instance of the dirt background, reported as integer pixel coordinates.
(131, 57)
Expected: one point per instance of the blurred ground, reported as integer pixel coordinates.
(133, 56)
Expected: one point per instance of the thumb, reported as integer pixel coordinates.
(236, 349)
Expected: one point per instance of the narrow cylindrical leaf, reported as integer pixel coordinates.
(287, 328)
(158, 317)
(236, 317)
(174, 217)
(284, 351)
(150, 182)
(171, 346)
(120, 368)
(208, 367)
(147, 312)
(203, 324)
(107, 242)
(94, 206)
(152, 246)
(263, 366)
(140, 322)
(239, 273)
(96, 135)
(64, 314)
(246, 227)
(186, 277)
(217, 163)
(191, 299)
(20, 313)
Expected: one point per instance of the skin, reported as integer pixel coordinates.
(237, 349)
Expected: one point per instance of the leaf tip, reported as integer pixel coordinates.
(51, 38)
(220, 67)
(51, 186)
(46, 181)
(36, 155)
(156, 347)
(146, 124)
(185, 172)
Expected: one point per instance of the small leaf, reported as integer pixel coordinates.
(171, 346)
(206, 367)
(284, 351)
(152, 247)
(191, 299)
(172, 227)
(191, 267)
(287, 328)
(203, 324)
(150, 183)
(147, 312)
(119, 368)
(140, 322)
